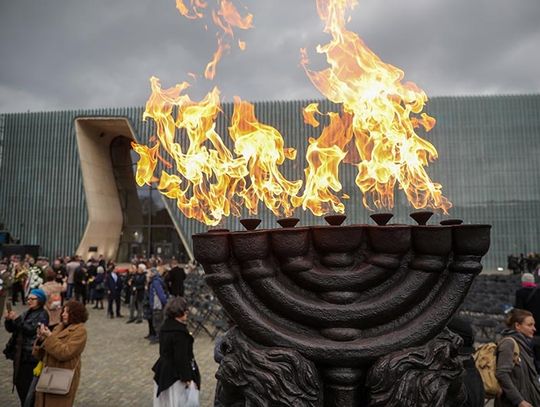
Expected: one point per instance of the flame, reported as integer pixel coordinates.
(208, 174)
(384, 115)
(195, 12)
(226, 18)
(262, 147)
(210, 182)
(147, 163)
(324, 156)
(309, 114)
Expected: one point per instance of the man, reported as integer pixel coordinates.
(73, 265)
(528, 298)
(137, 284)
(175, 279)
(114, 292)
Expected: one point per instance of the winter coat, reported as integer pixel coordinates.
(519, 382)
(63, 348)
(528, 298)
(99, 286)
(23, 329)
(157, 289)
(176, 360)
(175, 281)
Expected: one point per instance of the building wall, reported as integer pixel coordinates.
(488, 165)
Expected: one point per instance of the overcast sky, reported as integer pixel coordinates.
(70, 54)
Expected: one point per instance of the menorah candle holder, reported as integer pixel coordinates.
(332, 302)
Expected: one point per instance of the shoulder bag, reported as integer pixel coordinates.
(56, 380)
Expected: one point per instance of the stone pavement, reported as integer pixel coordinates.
(116, 365)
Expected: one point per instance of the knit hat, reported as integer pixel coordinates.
(40, 294)
(527, 278)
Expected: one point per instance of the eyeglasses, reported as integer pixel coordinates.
(33, 298)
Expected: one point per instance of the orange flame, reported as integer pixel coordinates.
(262, 147)
(324, 155)
(381, 106)
(210, 182)
(226, 18)
(208, 173)
(147, 163)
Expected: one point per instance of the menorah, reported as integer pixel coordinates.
(334, 315)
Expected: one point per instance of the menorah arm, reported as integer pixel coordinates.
(260, 327)
(314, 312)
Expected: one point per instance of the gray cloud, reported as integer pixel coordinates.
(62, 54)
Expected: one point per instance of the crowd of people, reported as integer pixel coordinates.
(51, 331)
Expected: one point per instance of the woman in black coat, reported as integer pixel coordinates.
(24, 330)
(176, 369)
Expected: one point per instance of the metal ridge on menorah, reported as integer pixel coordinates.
(320, 310)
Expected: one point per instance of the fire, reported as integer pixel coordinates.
(211, 182)
(226, 18)
(208, 174)
(385, 113)
(262, 147)
(324, 156)
(375, 131)
(147, 163)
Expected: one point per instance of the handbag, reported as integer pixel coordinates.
(56, 380)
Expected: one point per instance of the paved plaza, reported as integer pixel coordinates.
(116, 365)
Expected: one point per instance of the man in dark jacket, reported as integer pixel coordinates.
(528, 298)
(137, 285)
(175, 279)
(114, 291)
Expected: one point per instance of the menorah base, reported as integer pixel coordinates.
(254, 375)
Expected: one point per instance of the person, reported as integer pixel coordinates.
(99, 287)
(157, 296)
(137, 285)
(175, 279)
(176, 368)
(71, 266)
(472, 379)
(80, 278)
(114, 292)
(19, 282)
(54, 291)
(528, 298)
(517, 376)
(19, 347)
(63, 348)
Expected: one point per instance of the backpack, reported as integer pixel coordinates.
(485, 360)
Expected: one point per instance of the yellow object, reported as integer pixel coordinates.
(38, 368)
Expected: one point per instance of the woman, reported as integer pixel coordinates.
(63, 348)
(99, 287)
(175, 370)
(19, 347)
(54, 291)
(517, 375)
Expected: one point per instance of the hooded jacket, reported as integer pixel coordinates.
(176, 360)
(519, 382)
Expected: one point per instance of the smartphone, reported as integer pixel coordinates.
(8, 306)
